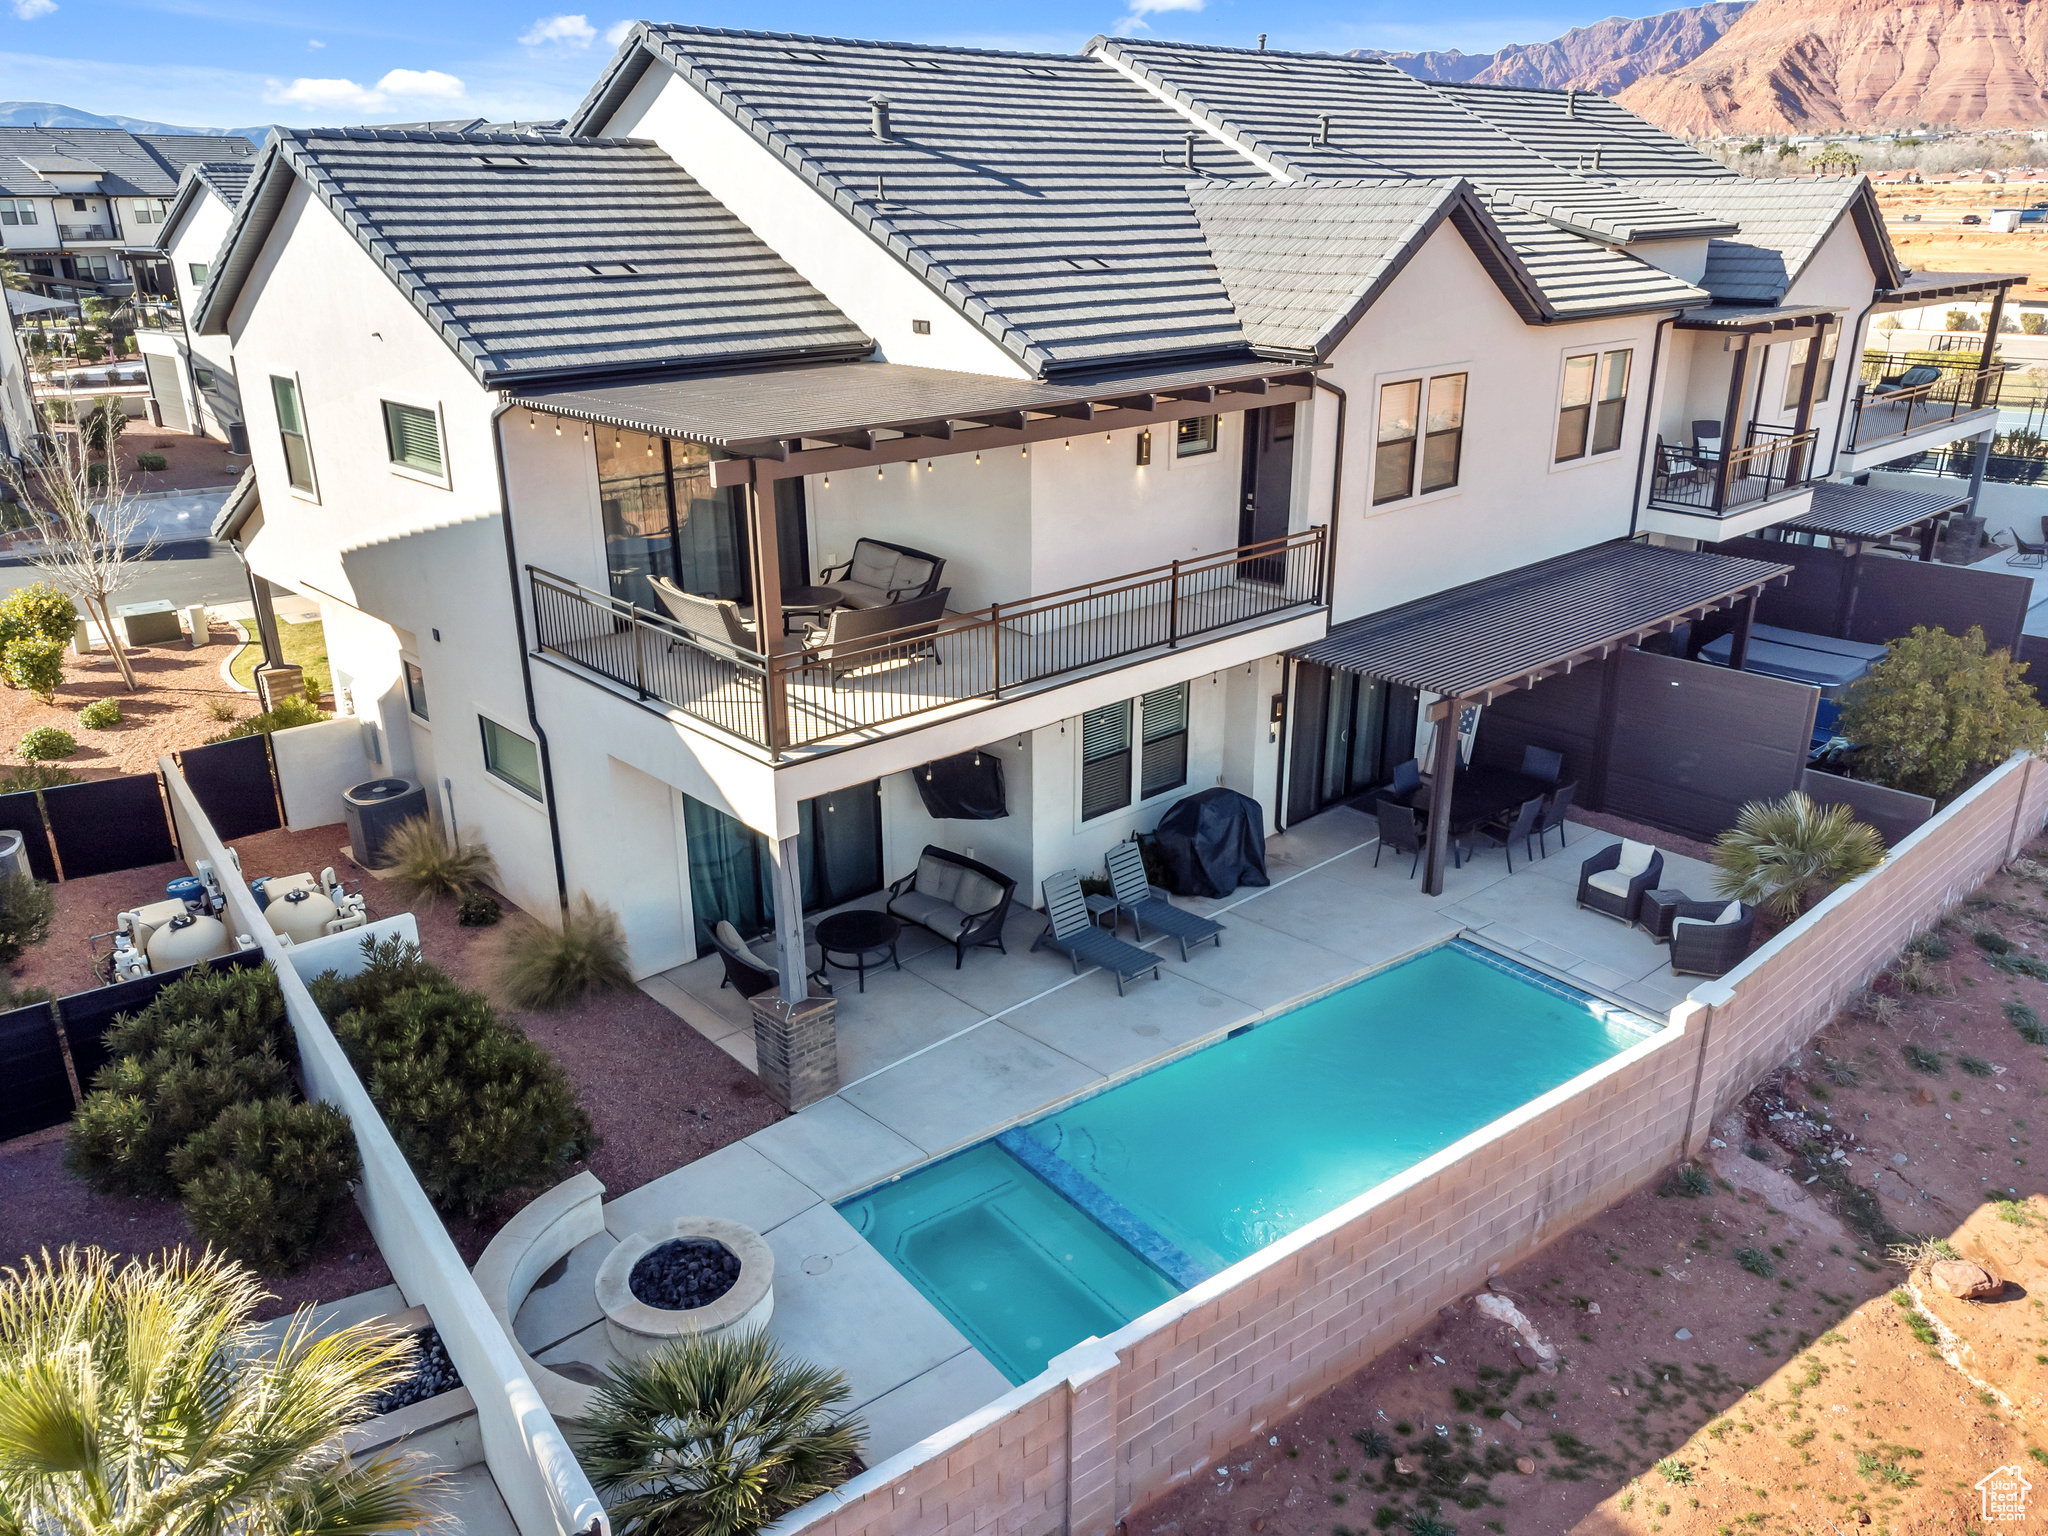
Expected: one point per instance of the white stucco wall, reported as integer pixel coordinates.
(197, 237)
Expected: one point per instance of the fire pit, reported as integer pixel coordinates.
(692, 1277)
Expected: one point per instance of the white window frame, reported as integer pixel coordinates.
(409, 659)
(309, 492)
(1421, 377)
(506, 786)
(407, 471)
(1637, 387)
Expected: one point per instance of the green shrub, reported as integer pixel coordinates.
(100, 715)
(211, 1039)
(36, 609)
(96, 476)
(426, 866)
(476, 908)
(27, 909)
(1783, 855)
(293, 709)
(478, 1108)
(264, 1182)
(15, 781)
(151, 461)
(46, 742)
(1939, 712)
(35, 663)
(554, 966)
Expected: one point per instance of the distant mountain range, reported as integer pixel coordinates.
(1604, 57)
(52, 114)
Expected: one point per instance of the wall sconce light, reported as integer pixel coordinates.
(1145, 446)
(1069, 445)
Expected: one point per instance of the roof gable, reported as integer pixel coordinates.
(226, 180)
(1783, 223)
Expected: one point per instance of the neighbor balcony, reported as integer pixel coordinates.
(1707, 493)
(815, 697)
(1897, 412)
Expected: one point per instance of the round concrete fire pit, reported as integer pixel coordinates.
(637, 1329)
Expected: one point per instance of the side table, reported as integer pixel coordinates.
(1658, 909)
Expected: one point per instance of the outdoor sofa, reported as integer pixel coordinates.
(881, 573)
(960, 899)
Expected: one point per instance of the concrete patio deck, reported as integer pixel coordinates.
(934, 1058)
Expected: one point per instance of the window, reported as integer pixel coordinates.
(1163, 721)
(102, 268)
(1824, 376)
(1594, 404)
(1105, 760)
(17, 211)
(413, 436)
(78, 205)
(149, 210)
(291, 426)
(416, 691)
(198, 270)
(1193, 435)
(1409, 438)
(511, 757)
(205, 377)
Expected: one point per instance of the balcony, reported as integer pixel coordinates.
(83, 234)
(1705, 482)
(1886, 416)
(813, 700)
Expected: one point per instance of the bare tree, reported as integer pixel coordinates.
(88, 531)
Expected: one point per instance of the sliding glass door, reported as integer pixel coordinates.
(839, 852)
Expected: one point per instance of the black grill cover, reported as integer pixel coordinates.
(1212, 843)
(968, 787)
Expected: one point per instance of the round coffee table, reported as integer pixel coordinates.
(817, 602)
(865, 936)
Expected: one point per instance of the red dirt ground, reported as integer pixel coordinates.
(659, 1093)
(1806, 1400)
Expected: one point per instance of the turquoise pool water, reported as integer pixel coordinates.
(1080, 1221)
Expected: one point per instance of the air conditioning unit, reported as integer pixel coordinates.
(374, 808)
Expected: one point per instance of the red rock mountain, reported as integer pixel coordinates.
(1603, 57)
(1818, 64)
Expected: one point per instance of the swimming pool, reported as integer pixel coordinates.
(1077, 1222)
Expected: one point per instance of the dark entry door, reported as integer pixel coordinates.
(1268, 486)
(1350, 732)
(839, 849)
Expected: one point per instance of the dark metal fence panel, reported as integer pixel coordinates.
(1560, 714)
(87, 1015)
(1816, 594)
(1691, 743)
(22, 812)
(32, 1065)
(1892, 811)
(1894, 595)
(110, 824)
(231, 780)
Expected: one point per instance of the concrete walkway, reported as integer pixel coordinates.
(934, 1058)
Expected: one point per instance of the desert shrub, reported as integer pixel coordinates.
(1931, 944)
(2027, 1022)
(477, 909)
(1991, 941)
(36, 609)
(151, 461)
(222, 707)
(100, 715)
(27, 909)
(96, 476)
(712, 1436)
(1756, 1261)
(1783, 855)
(1976, 1066)
(264, 1182)
(293, 709)
(551, 967)
(32, 776)
(1940, 711)
(1920, 1059)
(211, 1039)
(427, 866)
(34, 663)
(478, 1108)
(46, 742)
(103, 424)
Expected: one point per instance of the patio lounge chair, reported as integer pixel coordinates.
(1400, 830)
(881, 573)
(851, 640)
(960, 899)
(1709, 938)
(1614, 879)
(1916, 377)
(2027, 554)
(713, 621)
(751, 971)
(1557, 805)
(1133, 893)
(1070, 931)
(1680, 465)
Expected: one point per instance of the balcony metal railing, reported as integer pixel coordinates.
(78, 232)
(816, 694)
(1707, 483)
(1881, 412)
(154, 316)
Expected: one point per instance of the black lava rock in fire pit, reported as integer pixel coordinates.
(683, 1273)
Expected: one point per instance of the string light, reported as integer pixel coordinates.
(977, 458)
(1070, 445)
(558, 426)
(532, 421)
(828, 482)
(1025, 451)
(927, 466)
(878, 471)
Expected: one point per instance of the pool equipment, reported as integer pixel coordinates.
(300, 909)
(163, 936)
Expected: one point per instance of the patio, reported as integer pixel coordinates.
(933, 1059)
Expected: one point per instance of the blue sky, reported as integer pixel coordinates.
(231, 63)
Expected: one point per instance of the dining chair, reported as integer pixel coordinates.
(1557, 806)
(1504, 831)
(1542, 763)
(1401, 831)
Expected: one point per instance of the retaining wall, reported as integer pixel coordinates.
(1113, 1424)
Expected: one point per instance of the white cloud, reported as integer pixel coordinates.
(615, 34)
(29, 10)
(314, 42)
(1151, 7)
(561, 31)
(328, 95)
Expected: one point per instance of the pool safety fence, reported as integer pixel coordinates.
(1113, 1424)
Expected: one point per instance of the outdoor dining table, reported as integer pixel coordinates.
(1480, 795)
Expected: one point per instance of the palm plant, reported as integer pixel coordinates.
(132, 1403)
(717, 1437)
(1783, 855)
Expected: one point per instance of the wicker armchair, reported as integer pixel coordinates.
(1706, 941)
(1610, 885)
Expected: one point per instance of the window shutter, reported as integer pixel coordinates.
(1105, 759)
(1165, 730)
(1105, 730)
(415, 437)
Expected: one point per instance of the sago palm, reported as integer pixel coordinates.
(133, 1403)
(1782, 855)
(716, 1437)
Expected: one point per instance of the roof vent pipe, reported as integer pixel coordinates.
(1262, 42)
(1189, 161)
(1596, 159)
(1571, 102)
(878, 116)
(1322, 127)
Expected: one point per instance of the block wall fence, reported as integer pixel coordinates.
(1115, 1423)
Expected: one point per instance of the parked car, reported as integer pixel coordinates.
(1909, 218)
(1970, 218)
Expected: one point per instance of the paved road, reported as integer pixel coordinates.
(213, 577)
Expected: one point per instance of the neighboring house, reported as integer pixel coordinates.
(78, 205)
(1224, 384)
(191, 377)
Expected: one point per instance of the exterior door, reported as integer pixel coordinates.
(839, 850)
(1350, 732)
(1268, 486)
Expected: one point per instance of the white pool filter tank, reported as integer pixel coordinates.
(300, 909)
(187, 937)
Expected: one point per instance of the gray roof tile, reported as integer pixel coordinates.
(504, 242)
(1783, 223)
(133, 164)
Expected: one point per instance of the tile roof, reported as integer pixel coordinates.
(227, 180)
(534, 254)
(1041, 194)
(129, 164)
(1783, 223)
(1581, 278)
(1572, 127)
